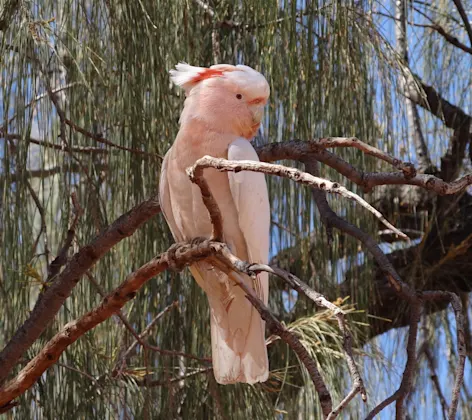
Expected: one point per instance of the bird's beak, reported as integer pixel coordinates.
(257, 114)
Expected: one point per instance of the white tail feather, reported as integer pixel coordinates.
(239, 352)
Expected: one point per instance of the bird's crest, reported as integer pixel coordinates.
(187, 76)
(245, 77)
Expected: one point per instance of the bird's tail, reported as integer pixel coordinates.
(239, 351)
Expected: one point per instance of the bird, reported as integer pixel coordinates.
(222, 113)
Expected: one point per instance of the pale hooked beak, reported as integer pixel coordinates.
(257, 114)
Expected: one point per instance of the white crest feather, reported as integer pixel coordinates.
(184, 73)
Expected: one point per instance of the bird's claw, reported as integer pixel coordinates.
(198, 240)
(172, 259)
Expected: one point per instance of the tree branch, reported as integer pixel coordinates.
(53, 297)
(100, 139)
(465, 18)
(195, 173)
(61, 259)
(109, 306)
(42, 214)
(44, 143)
(302, 288)
(428, 98)
(434, 377)
(231, 263)
(145, 332)
(303, 150)
(416, 305)
(408, 373)
(47, 172)
(447, 36)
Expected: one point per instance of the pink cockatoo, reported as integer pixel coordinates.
(222, 113)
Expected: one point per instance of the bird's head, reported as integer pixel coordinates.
(228, 99)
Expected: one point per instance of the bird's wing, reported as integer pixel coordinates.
(165, 200)
(249, 191)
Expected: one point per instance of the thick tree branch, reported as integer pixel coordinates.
(184, 254)
(109, 306)
(428, 98)
(303, 150)
(465, 18)
(54, 296)
(195, 171)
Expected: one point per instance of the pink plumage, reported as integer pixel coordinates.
(222, 113)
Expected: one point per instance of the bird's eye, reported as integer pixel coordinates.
(239, 96)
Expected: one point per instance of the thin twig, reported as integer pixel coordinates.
(149, 327)
(147, 383)
(100, 139)
(343, 404)
(446, 35)
(38, 98)
(327, 142)
(42, 214)
(43, 143)
(139, 337)
(47, 172)
(87, 375)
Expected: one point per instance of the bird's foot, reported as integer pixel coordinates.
(198, 240)
(172, 258)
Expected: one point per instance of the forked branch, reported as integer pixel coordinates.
(279, 170)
